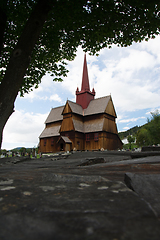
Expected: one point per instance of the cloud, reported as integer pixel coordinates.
(33, 94)
(46, 91)
(131, 120)
(125, 128)
(45, 88)
(23, 128)
(131, 75)
(55, 97)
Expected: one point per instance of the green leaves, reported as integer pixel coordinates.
(150, 133)
(131, 140)
(153, 127)
(143, 137)
(90, 24)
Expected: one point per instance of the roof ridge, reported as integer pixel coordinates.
(98, 99)
(58, 107)
(71, 101)
(75, 103)
(102, 97)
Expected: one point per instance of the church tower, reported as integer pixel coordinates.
(84, 96)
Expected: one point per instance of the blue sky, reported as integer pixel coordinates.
(131, 75)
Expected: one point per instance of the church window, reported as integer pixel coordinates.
(87, 137)
(96, 137)
(45, 142)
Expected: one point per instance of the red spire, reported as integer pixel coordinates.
(85, 80)
(84, 96)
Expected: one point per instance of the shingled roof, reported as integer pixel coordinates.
(76, 108)
(97, 106)
(65, 139)
(94, 125)
(55, 115)
(50, 132)
(78, 125)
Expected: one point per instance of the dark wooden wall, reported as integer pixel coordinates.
(49, 144)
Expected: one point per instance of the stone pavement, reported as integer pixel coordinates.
(85, 195)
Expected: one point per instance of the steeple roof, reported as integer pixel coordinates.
(84, 96)
(85, 80)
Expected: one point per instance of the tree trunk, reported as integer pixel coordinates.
(19, 61)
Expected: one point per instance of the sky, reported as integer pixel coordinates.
(131, 75)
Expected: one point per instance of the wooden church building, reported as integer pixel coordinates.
(88, 124)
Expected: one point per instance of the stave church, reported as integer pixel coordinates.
(87, 124)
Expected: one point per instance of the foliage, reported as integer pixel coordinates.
(131, 131)
(153, 127)
(131, 140)
(150, 133)
(3, 151)
(91, 24)
(15, 150)
(39, 37)
(143, 138)
(22, 150)
(36, 149)
(129, 147)
(28, 150)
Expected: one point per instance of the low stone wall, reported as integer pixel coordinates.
(150, 148)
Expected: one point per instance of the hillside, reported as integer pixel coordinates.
(131, 131)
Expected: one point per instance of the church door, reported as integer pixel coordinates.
(61, 147)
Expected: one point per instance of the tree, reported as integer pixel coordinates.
(150, 133)
(130, 139)
(22, 151)
(153, 127)
(131, 131)
(3, 151)
(143, 137)
(38, 36)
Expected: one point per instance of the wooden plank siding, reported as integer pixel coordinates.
(91, 144)
(87, 129)
(49, 145)
(110, 126)
(66, 109)
(67, 125)
(79, 141)
(106, 141)
(110, 109)
(112, 141)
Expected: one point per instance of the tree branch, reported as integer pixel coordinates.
(19, 60)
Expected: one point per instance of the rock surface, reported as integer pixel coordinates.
(147, 186)
(80, 196)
